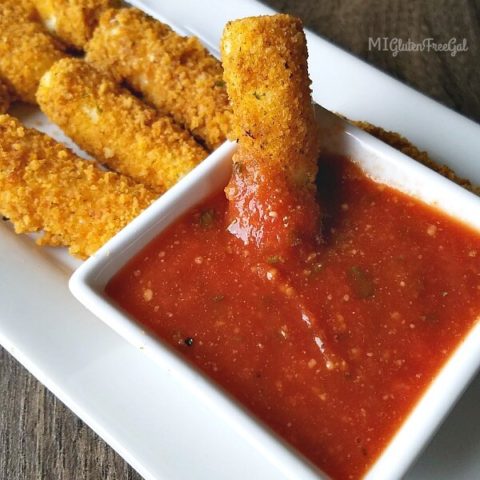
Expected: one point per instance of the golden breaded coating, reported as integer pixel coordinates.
(28, 7)
(115, 127)
(272, 191)
(265, 62)
(73, 21)
(45, 186)
(27, 51)
(4, 97)
(23, 8)
(176, 74)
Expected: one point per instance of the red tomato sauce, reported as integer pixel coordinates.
(269, 210)
(331, 349)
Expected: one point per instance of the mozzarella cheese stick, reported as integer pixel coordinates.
(27, 50)
(115, 127)
(175, 74)
(45, 187)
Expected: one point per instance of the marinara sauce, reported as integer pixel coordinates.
(331, 349)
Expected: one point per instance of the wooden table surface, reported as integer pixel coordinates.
(39, 437)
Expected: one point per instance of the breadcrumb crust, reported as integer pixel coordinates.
(4, 97)
(27, 51)
(175, 74)
(73, 21)
(45, 186)
(23, 9)
(115, 127)
(265, 62)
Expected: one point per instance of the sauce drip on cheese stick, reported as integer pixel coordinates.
(272, 190)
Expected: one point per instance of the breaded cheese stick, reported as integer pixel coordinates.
(176, 74)
(265, 62)
(27, 51)
(45, 186)
(4, 97)
(115, 127)
(73, 21)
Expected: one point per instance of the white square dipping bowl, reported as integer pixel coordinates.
(379, 161)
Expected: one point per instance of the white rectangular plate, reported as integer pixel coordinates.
(140, 410)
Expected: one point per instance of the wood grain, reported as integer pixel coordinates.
(451, 80)
(39, 437)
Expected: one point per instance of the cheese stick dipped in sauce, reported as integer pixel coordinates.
(27, 50)
(4, 97)
(175, 74)
(73, 21)
(45, 186)
(115, 127)
(272, 191)
(273, 206)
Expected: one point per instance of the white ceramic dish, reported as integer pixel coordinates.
(380, 162)
(138, 408)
